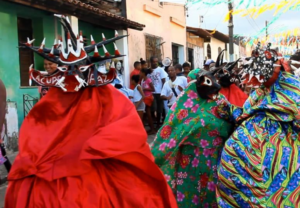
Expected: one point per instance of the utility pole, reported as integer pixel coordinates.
(230, 26)
(200, 20)
(267, 23)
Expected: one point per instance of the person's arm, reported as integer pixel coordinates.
(163, 97)
(163, 76)
(143, 96)
(2, 105)
(164, 93)
(163, 81)
(151, 88)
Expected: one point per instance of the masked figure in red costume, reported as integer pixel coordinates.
(226, 79)
(84, 150)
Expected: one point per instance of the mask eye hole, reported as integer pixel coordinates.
(207, 81)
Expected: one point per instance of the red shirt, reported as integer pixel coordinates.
(134, 72)
(234, 95)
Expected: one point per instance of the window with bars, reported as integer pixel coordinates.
(26, 57)
(153, 47)
(208, 51)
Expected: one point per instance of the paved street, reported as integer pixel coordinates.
(4, 186)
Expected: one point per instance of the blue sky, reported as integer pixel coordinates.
(214, 16)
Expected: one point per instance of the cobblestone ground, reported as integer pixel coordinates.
(3, 174)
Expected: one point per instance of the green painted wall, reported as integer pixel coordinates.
(89, 29)
(43, 26)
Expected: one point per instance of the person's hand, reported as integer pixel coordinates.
(180, 88)
(170, 97)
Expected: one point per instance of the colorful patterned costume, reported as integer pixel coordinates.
(187, 149)
(260, 165)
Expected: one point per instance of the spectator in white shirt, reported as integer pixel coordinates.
(172, 88)
(138, 95)
(158, 78)
(180, 75)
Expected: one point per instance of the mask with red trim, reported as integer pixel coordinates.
(259, 68)
(76, 68)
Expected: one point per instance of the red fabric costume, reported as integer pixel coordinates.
(85, 149)
(234, 95)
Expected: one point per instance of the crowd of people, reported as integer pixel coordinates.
(156, 88)
(216, 146)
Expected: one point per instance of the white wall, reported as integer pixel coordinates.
(158, 24)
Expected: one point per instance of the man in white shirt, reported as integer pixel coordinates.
(179, 73)
(173, 88)
(158, 77)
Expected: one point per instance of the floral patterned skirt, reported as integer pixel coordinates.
(194, 176)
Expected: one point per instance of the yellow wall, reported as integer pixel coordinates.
(195, 41)
(158, 25)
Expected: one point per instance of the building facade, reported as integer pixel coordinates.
(164, 34)
(196, 37)
(218, 42)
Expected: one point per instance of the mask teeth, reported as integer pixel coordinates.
(116, 33)
(29, 42)
(250, 77)
(96, 53)
(295, 62)
(276, 65)
(51, 54)
(294, 68)
(112, 66)
(55, 43)
(103, 37)
(258, 78)
(92, 40)
(68, 20)
(106, 52)
(58, 15)
(30, 70)
(244, 74)
(117, 53)
(41, 49)
(80, 36)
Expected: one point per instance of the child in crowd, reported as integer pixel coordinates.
(144, 64)
(148, 88)
(137, 68)
(186, 69)
(138, 95)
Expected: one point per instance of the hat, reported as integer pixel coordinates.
(208, 62)
(76, 68)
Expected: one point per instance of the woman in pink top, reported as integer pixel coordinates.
(148, 88)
